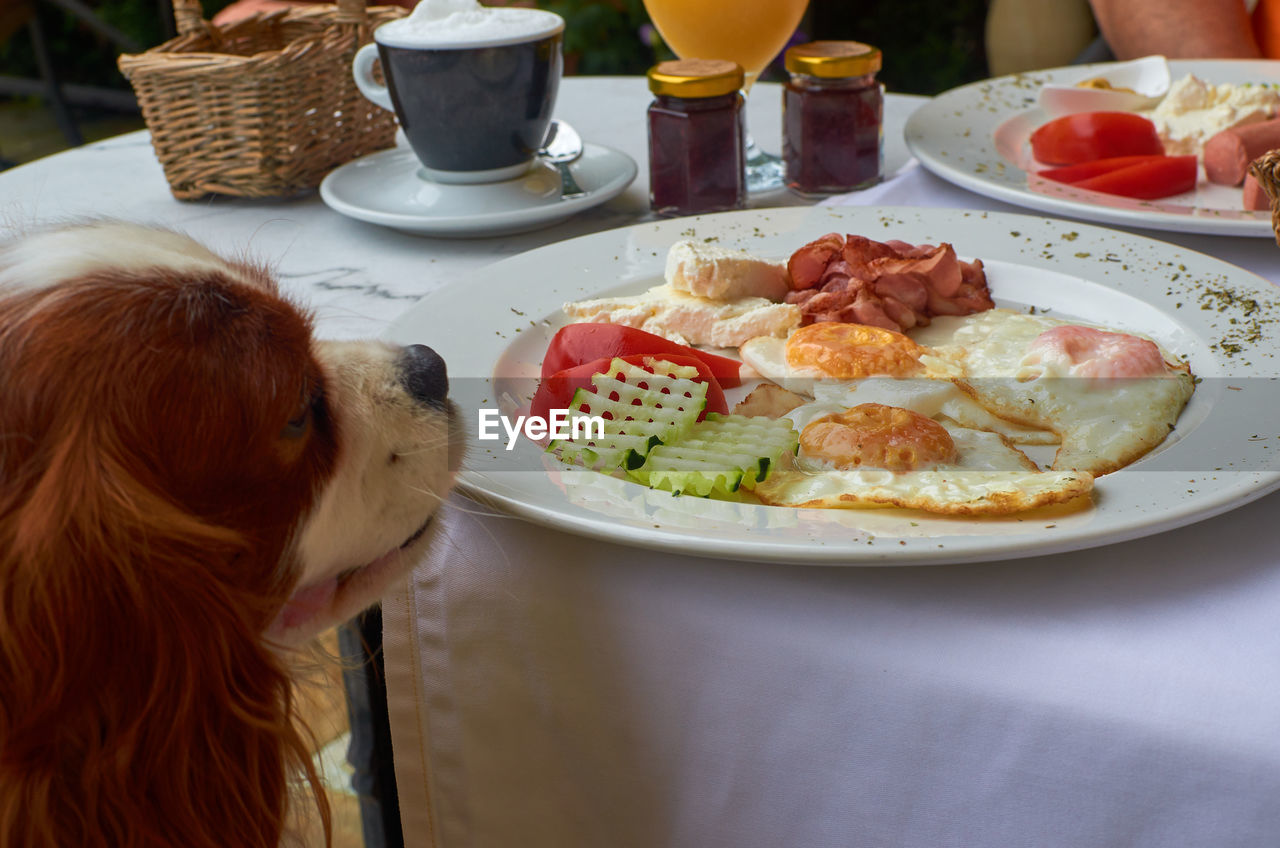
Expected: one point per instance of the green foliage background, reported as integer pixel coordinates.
(603, 38)
(80, 55)
(929, 45)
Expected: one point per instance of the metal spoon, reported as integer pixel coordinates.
(563, 146)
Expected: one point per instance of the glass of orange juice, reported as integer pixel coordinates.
(749, 32)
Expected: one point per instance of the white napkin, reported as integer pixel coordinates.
(912, 185)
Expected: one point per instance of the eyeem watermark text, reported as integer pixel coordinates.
(557, 425)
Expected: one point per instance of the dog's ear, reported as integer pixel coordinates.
(140, 705)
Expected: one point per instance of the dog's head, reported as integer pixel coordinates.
(188, 481)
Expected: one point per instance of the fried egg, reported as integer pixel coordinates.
(1111, 397)
(860, 454)
(833, 351)
(887, 367)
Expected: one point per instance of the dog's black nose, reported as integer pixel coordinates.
(423, 375)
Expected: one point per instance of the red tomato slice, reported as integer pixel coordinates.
(575, 344)
(1161, 177)
(556, 391)
(1085, 170)
(1086, 136)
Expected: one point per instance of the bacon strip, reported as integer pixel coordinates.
(892, 284)
(808, 264)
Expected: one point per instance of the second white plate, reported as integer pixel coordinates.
(976, 137)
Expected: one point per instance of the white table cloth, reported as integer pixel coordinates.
(549, 690)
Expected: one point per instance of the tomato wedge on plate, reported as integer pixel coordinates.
(1085, 170)
(575, 344)
(1141, 177)
(1161, 177)
(1086, 136)
(556, 391)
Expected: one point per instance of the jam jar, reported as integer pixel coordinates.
(832, 112)
(696, 137)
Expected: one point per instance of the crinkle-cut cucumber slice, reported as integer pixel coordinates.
(718, 455)
(640, 409)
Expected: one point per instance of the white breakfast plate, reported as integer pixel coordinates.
(1224, 452)
(387, 188)
(976, 137)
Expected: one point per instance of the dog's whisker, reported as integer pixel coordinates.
(429, 493)
(487, 531)
(482, 511)
(425, 447)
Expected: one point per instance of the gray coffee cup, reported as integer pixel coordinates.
(473, 92)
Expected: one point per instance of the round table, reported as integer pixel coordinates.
(551, 690)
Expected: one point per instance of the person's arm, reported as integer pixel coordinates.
(1180, 29)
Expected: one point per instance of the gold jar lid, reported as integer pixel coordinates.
(831, 59)
(695, 78)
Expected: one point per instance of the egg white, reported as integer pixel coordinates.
(943, 492)
(932, 394)
(989, 477)
(1103, 424)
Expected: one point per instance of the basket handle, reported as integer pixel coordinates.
(188, 17)
(350, 12)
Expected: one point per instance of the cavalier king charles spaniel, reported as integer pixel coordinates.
(191, 487)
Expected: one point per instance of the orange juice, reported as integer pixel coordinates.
(749, 32)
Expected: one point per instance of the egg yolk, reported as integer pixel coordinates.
(1086, 352)
(872, 435)
(853, 351)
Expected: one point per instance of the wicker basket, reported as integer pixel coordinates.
(264, 107)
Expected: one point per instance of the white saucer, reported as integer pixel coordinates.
(388, 188)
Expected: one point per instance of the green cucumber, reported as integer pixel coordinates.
(718, 455)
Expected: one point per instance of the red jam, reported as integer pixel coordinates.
(832, 118)
(696, 138)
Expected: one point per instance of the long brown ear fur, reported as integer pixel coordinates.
(139, 705)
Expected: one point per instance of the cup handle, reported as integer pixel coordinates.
(362, 69)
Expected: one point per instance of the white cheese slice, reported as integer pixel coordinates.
(689, 319)
(722, 273)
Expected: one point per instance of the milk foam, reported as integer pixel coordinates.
(452, 24)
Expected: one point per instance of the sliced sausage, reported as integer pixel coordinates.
(807, 264)
(1227, 155)
(1254, 197)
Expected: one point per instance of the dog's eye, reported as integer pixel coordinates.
(296, 427)
(309, 410)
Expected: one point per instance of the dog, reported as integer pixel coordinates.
(191, 487)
